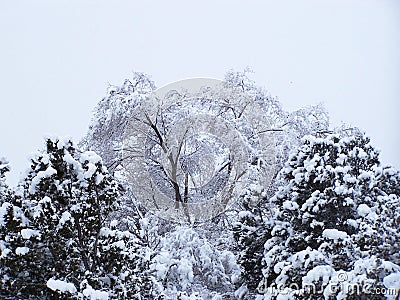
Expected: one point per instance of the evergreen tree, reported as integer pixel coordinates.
(65, 245)
(336, 212)
(250, 232)
(13, 235)
(4, 168)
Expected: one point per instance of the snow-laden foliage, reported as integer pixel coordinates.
(59, 239)
(250, 236)
(288, 127)
(111, 116)
(12, 221)
(336, 224)
(4, 168)
(187, 262)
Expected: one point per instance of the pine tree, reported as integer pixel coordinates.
(335, 212)
(13, 235)
(4, 168)
(65, 243)
(250, 232)
(320, 222)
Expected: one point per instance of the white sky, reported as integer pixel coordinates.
(57, 58)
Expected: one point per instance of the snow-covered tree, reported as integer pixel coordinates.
(65, 242)
(193, 144)
(288, 127)
(113, 112)
(12, 233)
(68, 201)
(188, 263)
(336, 221)
(111, 116)
(4, 168)
(250, 232)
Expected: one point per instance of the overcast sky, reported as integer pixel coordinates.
(58, 57)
